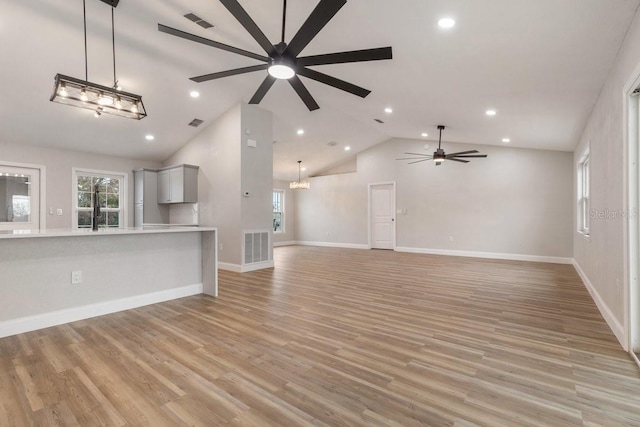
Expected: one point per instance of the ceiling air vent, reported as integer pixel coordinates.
(332, 144)
(195, 18)
(378, 120)
(195, 123)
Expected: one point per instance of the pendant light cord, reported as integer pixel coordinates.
(113, 44)
(284, 18)
(440, 139)
(299, 165)
(84, 16)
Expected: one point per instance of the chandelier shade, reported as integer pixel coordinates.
(92, 96)
(299, 184)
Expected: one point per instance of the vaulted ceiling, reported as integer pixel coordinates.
(540, 64)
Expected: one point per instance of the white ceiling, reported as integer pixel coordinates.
(539, 63)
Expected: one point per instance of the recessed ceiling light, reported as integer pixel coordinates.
(303, 169)
(506, 140)
(347, 148)
(446, 23)
(149, 137)
(194, 93)
(300, 132)
(424, 134)
(388, 110)
(491, 112)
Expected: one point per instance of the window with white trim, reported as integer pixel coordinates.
(111, 197)
(278, 211)
(583, 195)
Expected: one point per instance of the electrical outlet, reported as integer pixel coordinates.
(59, 212)
(76, 277)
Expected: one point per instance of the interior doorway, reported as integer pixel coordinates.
(382, 210)
(20, 198)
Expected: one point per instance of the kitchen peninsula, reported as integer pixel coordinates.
(51, 277)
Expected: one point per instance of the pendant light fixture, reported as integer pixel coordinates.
(92, 96)
(299, 184)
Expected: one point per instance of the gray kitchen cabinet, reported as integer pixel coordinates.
(178, 184)
(147, 210)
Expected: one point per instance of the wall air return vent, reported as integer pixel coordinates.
(256, 246)
(195, 123)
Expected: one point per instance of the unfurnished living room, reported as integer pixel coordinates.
(319, 212)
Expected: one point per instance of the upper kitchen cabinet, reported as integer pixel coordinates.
(178, 184)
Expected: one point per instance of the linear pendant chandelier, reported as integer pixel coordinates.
(299, 184)
(92, 96)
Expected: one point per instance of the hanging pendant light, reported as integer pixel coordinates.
(299, 184)
(92, 96)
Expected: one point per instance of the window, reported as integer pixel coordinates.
(111, 189)
(583, 196)
(278, 211)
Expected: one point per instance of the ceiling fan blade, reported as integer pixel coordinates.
(456, 160)
(377, 54)
(249, 24)
(262, 90)
(303, 93)
(218, 75)
(415, 158)
(198, 39)
(418, 161)
(332, 81)
(324, 11)
(463, 152)
(418, 154)
(471, 156)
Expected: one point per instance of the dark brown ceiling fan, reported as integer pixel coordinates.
(282, 61)
(440, 156)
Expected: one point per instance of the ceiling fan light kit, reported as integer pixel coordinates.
(282, 61)
(92, 96)
(439, 156)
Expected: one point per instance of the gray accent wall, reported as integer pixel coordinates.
(59, 165)
(602, 256)
(517, 201)
(228, 169)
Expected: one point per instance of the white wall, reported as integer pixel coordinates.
(228, 168)
(59, 165)
(289, 213)
(516, 201)
(601, 257)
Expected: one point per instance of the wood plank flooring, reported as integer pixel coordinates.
(337, 337)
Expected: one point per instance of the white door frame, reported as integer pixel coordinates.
(631, 226)
(43, 188)
(371, 185)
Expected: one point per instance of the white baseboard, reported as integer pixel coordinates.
(333, 245)
(256, 266)
(54, 318)
(488, 255)
(615, 326)
(290, 243)
(236, 268)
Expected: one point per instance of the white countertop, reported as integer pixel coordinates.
(82, 232)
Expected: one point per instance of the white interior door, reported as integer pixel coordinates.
(19, 198)
(382, 205)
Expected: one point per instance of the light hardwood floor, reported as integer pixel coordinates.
(337, 337)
